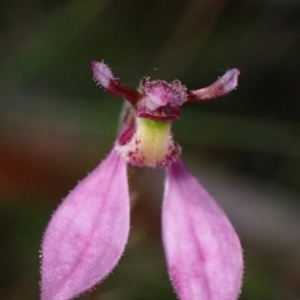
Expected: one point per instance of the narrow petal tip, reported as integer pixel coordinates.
(224, 85)
(105, 77)
(102, 74)
(230, 80)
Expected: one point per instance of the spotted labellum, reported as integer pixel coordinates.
(88, 233)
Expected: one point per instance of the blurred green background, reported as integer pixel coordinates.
(56, 125)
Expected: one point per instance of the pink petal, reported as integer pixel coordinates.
(202, 249)
(88, 233)
(104, 76)
(221, 87)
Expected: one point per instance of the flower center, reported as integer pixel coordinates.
(151, 144)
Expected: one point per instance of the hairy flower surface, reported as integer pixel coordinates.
(88, 232)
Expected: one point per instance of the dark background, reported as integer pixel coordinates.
(56, 125)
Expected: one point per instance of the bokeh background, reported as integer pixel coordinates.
(56, 125)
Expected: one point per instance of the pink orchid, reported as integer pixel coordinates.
(88, 232)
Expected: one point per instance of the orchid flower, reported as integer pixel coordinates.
(88, 232)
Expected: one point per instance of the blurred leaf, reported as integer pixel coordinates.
(50, 41)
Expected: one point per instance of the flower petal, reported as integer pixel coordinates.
(104, 76)
(203, 251)
(88, 233)
(221, 87)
